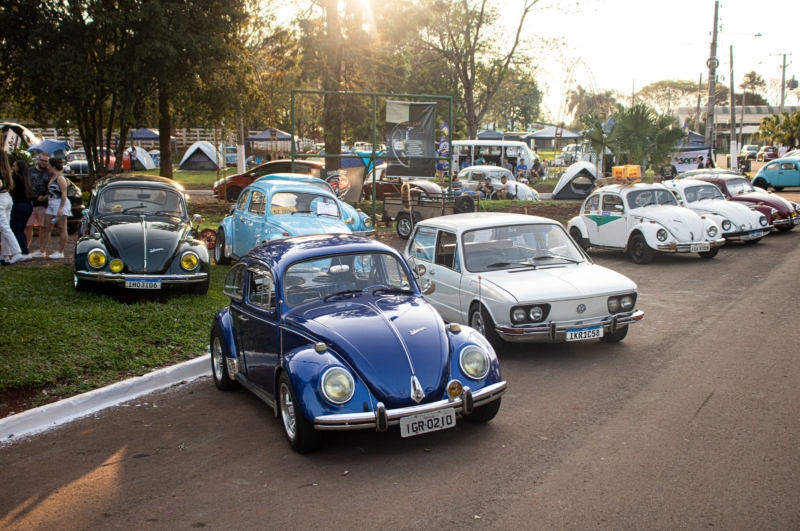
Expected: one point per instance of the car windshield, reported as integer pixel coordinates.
(495, 175)
(701, 193)
(336, 276)
(76, 156)
(739, 186)
(303, 203)
(140, 199)
(643, 198)
(518, 246)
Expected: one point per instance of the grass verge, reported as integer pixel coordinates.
(195, 180)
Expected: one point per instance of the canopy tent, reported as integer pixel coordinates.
(266, 136)
(144, 134)
(549, 132)
(21, 132)
(490, 135)
(142, 161)
(200, 156)
(54, 148)
(577, 182)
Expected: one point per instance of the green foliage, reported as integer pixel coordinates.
(20, 154)
(781, 128)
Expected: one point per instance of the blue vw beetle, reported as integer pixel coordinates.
(332, 332)
(279, 207)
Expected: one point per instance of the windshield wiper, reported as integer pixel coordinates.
(170, 213)
(516, 265)
(327, 214)
(391, 290)
(345, 292)
(302, 212)
(140, 207)
(567, 258)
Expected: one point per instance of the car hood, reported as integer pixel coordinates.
(303, 224)
(559, 283)
(125, 236)
(683, 223)
(385, 340)
(772, 200)
(736, 213)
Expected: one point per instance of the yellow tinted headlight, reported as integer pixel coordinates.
(189, 261)
(96, 258)
(116, 265)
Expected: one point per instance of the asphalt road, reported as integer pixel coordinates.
(690, 423)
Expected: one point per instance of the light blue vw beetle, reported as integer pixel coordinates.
(281, 206)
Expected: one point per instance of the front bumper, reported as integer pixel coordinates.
(786, 222)
(120, 278)
(365, 233)
(680, 247)
(744, 236)
(556, 332)
(382, 418)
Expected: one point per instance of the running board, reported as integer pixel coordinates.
(258, 391)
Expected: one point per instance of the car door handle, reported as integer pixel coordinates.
(431, 271)
(243, 318)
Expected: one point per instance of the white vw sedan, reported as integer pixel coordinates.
(737, 221)
(642, 219)
(519, 278)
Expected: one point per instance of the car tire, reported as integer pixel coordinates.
(615, 337)
(219, 249)
(483, 413)
(72, 229)
(201, 288)
(710, 253)
(464, 204)
(232, 194)
(640, 252)
(404, 225)
(576, 235)
(219, 363)
(786, 228)
(761, 183)
(81, 285)
(480, 320)
(300, 433)
(778, 188)
(753, 241)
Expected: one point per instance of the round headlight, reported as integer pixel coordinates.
(116, 265)
(474, 362)
(763, 221)
(712, 231)
(626, 302)
(368, 223)
(661, 235)
(337, 385)
(613, 305)
(774, 212)
(96, 258)
(726, 225)
(189, 260)
(518, 315)
(535, 313)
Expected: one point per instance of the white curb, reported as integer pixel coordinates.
(51, 415)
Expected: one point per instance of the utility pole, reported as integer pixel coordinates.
(734, 148)
(712, 65)
(697, 115)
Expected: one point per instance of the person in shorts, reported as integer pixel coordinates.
(39, 176)
(58, 208)
(508, 190)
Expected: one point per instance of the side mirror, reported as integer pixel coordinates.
(619, 208)
(198, 218)
(85, 212)
(419, 270)
(429, 287)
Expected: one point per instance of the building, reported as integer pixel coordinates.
(749, 121)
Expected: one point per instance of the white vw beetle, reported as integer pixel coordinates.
(519, 278)
(642, 219)
(737, 221)
(475, 175)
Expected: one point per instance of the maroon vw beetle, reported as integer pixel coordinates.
(767, 153)
(783, 214)
(391, 185)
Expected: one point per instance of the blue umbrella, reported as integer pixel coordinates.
(51, 147)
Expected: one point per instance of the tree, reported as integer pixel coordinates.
(752, 82)
(517, 103)
(580, 102)
(668, 94)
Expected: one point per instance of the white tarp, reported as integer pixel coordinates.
(205, 147)
(686, 159)
(144, 158)
(570, 173)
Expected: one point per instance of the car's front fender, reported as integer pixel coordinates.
(84, 246)
(459, 339)
(649, 230)
(579, 224)
(223, 321)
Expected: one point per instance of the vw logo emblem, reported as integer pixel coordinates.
(581, 308)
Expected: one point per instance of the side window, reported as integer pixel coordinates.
(234, 283)
(446, 250)
(593, 203)
(611, 202)
(787, 165)
(772, 166)
(258, 203)
(261, 289)
(242, 200)
(422, 245)
(477, 176)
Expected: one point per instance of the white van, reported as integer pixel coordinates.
(492, 151)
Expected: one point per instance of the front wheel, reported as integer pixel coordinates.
(300, 433)
(219, 249)
(219, 363)
(753, 241)
(232, 193)
(480, 320)
(709, 254)
(619, 335)
(576, 235)
(484, 413)
(80, 285)
(640, 252)
(404, 225)
(786, 228)
(778, 188)
(200, 288)
(761, 183)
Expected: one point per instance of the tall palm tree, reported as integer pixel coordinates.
(770, 129)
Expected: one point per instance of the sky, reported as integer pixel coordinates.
(630, 43)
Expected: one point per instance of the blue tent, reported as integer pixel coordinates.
(54, 148)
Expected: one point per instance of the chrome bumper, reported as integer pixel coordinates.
(365, 233)
(382, 418)
(787, 222)
(120, 278)
(556, 332)
(674, 247)
(745, 235)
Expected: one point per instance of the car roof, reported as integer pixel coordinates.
(478, 220)
(271, 186)
(685, 183)
(133, 180)
(625, 188)
(486, 167)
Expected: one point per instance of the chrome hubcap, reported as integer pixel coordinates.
(218, 359)
(477, 323)
(404, 226)
(75, 280)
(287, 412)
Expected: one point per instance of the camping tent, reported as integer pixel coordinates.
(490, 135)
(577, 182)
(143, 159)
(54, 148)
(266, 136)
(144, 134)
(200, 156)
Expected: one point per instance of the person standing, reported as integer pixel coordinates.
(58, 207)
(11, 251)
(782, 151)
(39, 178)
(700, 165)
(668, 171)
(22, 194)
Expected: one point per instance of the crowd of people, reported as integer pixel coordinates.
(32, 197)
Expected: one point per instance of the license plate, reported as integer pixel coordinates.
(700, 247)
(578, 334)
(795, 221)
(756, 234)
(427, 422)
(142, 283)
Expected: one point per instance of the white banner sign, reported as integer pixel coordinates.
(11, 141)
(687, 160)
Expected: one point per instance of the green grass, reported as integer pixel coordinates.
(195, 180)
(65, 342)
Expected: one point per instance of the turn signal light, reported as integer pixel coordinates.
(116, 265)
(454, 388)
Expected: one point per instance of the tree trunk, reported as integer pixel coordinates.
(331, 121)
(164, 131)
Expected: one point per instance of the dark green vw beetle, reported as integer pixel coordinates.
(137, 233)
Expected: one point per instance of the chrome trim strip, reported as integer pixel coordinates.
(369, 420)
(397, 334)
(687, 247)
(120, 278)
(144, 233)
(546, 328)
